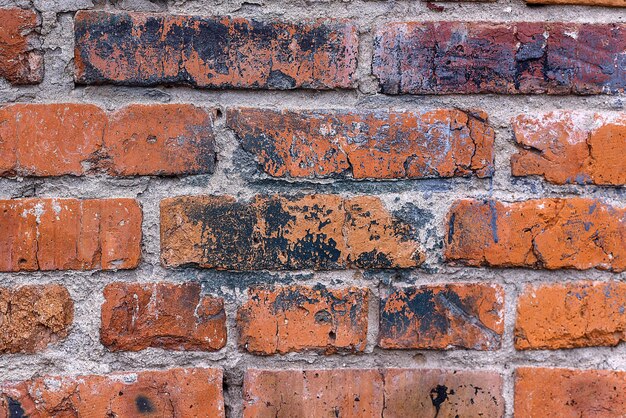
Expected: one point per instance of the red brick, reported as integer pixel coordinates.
(69, 234)
(21, 62)
(33, 317)
(320, 232)
(81, 139)
(372, 393)
(571, 147)
(298, 318)
(442, 317)
(567, 393)
(485, 57)
(544, 233)
(163, 315)
(377, 144)
(147, 49)
(579, 314)
(183, 393)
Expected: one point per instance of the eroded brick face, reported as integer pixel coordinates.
(284, 233)
(571, 147)
(21, 60)
(298, 318)
(442, 317)
(567, 393)
(377, 144)
(33, 317)
(69, 234)
(544, 233)
(176, 317)
(234, 52)
(481, 57)
(577, 314)
(170, 393)
(81, 139)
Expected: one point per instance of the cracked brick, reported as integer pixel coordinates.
(21, 59)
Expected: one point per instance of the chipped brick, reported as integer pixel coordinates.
(21, 59)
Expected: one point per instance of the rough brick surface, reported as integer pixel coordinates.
(571, 147)
(170, 393)
(371, 392)
(277, 233)
(566, 393)
(481, 57)
(544, 233)
(21, 62)
(377, 144)
(578, 314)
(32, 317)
(79, 139)
(234, 53)
(442, 317)
(298, 318)
(69, 234)
(163, 315)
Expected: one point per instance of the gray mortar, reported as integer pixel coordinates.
(82, 353)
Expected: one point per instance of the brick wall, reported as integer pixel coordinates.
(289, 208)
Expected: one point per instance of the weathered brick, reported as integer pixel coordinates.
(571, 147)
(378, 144)
(33, 317)
(146, 49)
(543, 233)
(298, 318)
(481, 57)
(279, 233)
(371, 393)
(567, 393)
(80, 139)
(21, 61)
(69, 234)
(579, 314)
(442, 317)
(608, 3)
(137, 316)
(168, 393)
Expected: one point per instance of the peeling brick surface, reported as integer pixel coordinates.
(298, 318)
(506, 58)
(377, 144)
(33, 317)
(566, 393)
(176, 317)
(69, 234)
(171, 393)
(577, 314)
(319, 232)
(21, 61)
(234, 52)
(81, 139)
(442, 317)
(571, 147)
(571, 233)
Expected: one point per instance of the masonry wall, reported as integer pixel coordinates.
(289, 208)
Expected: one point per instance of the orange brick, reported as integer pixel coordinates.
(20, 61)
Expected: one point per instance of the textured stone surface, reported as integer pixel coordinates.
(69, 234)
(609, 3)
(442, 317)
(313, 232)
(481, 57)
(577, 314)
(213, 51)
(566, 393)
(163, 315)
(543, 233)
(21, 61)
(571, 147)
(171, 393)
(377, 144)
(33, 317)
(298, 318)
